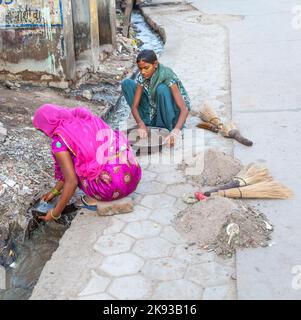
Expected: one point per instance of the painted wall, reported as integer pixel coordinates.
(81, 26)
(32, 38)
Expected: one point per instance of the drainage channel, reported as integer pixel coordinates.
(32, 254)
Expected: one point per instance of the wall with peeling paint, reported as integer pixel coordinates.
(31, 38)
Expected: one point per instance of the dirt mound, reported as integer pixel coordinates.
(219, 168)
(206, 224)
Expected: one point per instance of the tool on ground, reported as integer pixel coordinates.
(229, 130)
(250, 174)
(261, 190)
(208, 115)
(208, 126)
(200, 196)
(232, 231)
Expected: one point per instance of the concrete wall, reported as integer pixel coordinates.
(32, 41)
(41, 40)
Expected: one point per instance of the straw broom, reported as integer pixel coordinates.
(229, 130)
(250, 174)
(261, 190)
(209, 115)
(208, 126)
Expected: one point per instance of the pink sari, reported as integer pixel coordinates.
(103, 160)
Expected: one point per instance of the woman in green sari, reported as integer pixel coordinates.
(158, 98)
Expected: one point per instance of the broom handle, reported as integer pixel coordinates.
(235, 134)
(208, 126)
(229, 185)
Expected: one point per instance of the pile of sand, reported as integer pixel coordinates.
(206, 221)
(219, 168)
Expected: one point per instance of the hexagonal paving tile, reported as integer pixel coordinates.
(150, 187)
(115, 227)
(153, 248)
(163, 216)
(113, 244)
(161, 168)
(164, 269)
(148, 176)
(178, 290)
(192, 254)
(169, 233)
(97, 284)
(180, 189)
(158, 201)
(216, 293)
(131, 288)
(142, 229)
(122, 264)
(99, 296)
(171, 177)
(139, 213)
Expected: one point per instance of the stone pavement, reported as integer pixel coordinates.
(140, 255)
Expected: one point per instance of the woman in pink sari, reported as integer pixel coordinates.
(88, 154)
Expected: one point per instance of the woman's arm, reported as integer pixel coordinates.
(51, 194)
(181, 105)
(142, 128)
(70, 184)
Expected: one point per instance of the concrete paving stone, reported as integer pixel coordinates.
(150, 187)
(163, 216)
(122, 264)
(192, 254)
(113, 244)
(164, 269)
(178, 190)
(171, 177)
(148, 176)
(2, 278)
(115, 227)
(139, 213)
(158, 201)
(131, 288)
(137, 198)
(216, 293)
(153, 248)
(178, 290)
(161, 168)
(170, 234)
(181, 205)
(96, 284)
(142, 229)
(208, 274)
(100, 296)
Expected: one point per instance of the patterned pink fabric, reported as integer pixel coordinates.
(116, 180)
(87, 136)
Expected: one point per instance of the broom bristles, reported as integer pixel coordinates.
(208, 115)
(261, 190)
(253, 174)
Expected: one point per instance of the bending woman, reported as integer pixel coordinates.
(158, 98)
(88, 154)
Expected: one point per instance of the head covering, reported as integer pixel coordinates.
(87, 136)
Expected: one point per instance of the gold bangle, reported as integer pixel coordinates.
(53, 217)
(55, 192)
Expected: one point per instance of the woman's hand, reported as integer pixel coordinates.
(142, 131)
(172, 137)
(49, 216)
(48, 196)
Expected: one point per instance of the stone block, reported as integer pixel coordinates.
(124, 205)
(2, 278)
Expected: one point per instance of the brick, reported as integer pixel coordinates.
(124, 205)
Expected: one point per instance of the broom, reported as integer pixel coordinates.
(230, 131)
(208, 126)
(209, 115)
(261, 190)
(250, 174)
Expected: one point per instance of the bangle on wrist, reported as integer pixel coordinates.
(55, 192)
(54, 217)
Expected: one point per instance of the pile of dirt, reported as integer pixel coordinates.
(219, 168)
(206, 224)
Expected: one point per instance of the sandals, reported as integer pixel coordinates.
(85, 205)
